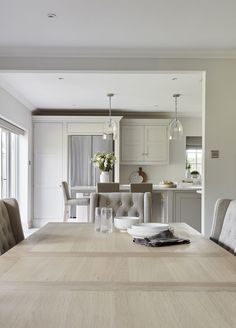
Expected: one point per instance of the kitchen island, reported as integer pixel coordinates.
(180, 204)
(126, 187)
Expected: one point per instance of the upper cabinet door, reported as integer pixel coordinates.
(132, 143)
(144, 142)
(156, 145)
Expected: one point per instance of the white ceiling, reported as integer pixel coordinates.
(117, 27)
(146, 92)
(150, 28)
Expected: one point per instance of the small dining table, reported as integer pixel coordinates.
(68, 275)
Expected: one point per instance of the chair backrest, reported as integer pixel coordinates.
(224, 224)
(141, 187)
(123, 204)
(11, 232)
(66, 192)
(108, 187)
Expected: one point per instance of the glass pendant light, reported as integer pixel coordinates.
(175, 126)
(110, 124)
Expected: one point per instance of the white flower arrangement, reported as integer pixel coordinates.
(104, 161)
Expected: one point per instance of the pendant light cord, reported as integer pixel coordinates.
(109, 105)
(110, 119)
(176, 95)
(176, 109)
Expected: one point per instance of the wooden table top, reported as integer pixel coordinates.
(66, 275)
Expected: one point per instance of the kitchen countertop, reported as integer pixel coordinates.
(125, 187)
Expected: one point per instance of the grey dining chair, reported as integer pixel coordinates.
(68, 201)
(141, 187)
(123, 204)
(11, 232)
(224, 224)
(107, 187)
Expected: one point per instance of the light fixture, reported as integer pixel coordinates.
(51, 15)
(175, 126)
(110, 125)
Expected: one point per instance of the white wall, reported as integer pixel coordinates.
(220, 116)
(175, 171)
(13, 111)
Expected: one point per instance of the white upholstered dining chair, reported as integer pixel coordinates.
(224, 224)
(123, 204)
(68, 201)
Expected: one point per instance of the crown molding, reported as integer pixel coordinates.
(115, 113)
(74, 118)
(61, 52)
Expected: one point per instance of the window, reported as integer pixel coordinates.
(8, 163)
(194, 153)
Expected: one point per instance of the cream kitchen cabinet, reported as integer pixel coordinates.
(51, 154)
(144, 141)
(187, 208)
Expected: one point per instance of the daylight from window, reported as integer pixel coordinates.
(8, 163)
(194, 158)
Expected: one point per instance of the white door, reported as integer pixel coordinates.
(48, 161)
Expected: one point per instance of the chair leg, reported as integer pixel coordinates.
(66, 213)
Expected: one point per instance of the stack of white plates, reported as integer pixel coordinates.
(144, 230)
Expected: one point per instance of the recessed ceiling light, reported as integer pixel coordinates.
(174, 78)
(51, 15)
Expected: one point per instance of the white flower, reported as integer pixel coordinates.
(105, 161)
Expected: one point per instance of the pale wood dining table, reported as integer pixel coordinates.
(67, 275)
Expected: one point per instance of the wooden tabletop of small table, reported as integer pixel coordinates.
(67, 275)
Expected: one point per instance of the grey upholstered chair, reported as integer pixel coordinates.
(71, 201)
(123, 204)
(141, 187)
(108, 187)
(224, 224)
(11, 232)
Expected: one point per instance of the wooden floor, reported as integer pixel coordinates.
(66, 275)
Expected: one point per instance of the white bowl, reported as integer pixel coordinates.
(122, 223)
